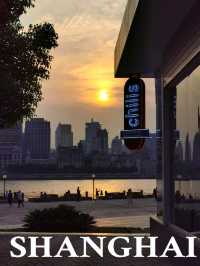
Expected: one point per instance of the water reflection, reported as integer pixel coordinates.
(187, 152)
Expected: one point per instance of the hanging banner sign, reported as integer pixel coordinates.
(134, 113)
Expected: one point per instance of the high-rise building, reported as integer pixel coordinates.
(82, 146)
(103, 141)
(187, 149)
(96, 138)
(91, 133)
(11, 146)
(11, 136)
(64, 136)
(37, 138)
(196, 143)
(179, 152)
(116, 146)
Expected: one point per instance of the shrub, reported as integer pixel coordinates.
(60, 219)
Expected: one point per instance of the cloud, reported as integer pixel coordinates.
(83, 62)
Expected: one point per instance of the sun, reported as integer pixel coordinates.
(103, 96)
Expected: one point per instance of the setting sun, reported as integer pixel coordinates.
(103, 96)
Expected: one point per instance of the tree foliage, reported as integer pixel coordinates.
(25, 60)
(59, 219)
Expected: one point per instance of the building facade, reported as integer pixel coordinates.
(37, 139)
(64, 136)
(11, 146)
(96, 138)
(116, 146)
(70, 157)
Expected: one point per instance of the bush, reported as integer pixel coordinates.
(60, 219)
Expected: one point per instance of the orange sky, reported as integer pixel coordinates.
(82, 85)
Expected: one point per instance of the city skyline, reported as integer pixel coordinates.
(29, 149)
(75, 143)
(82, 84)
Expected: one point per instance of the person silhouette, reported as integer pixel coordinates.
(10, 198)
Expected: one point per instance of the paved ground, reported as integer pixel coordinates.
(6, 260)
(112, 213)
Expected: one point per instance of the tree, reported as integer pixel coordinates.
(25, 61)
(62, 218)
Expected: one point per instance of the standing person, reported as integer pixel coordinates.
(97, 193)
(155, 193)
(10, 198)
(130, 198)
(106, 194)
(78, 194)
(19, 199)
(22, 199)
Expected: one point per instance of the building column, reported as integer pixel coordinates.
(168, 145)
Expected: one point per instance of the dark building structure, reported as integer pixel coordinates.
(64, 136)
(11, 146)
(161, 40)
(37, 138)
(196, 144)
(103, 141)
(116, 146)
(70, 157)
(188, 154)
(179, 152)
(96, 138)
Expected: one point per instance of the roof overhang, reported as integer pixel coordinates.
(147, 30)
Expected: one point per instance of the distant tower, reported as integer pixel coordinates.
(179, 152)
(96, 139)
(103, 141)
(64, 136)
(187, 149)
(37, 138)
(91, 133)
(196, 143)
(116, 146)
(11, 146)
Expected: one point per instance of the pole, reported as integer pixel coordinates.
(4, 188)
(93, 188)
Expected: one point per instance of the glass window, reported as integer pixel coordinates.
(186, 167)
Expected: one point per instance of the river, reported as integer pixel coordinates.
(33, 188)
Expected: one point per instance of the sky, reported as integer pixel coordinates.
(82, 84)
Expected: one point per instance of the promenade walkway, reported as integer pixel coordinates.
(110, 213)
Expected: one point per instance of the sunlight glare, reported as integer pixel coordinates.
(103, 96)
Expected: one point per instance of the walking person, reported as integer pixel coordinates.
(10, 198)
(78, 194)
(19, 199)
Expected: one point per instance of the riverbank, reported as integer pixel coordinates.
(33, 188)
(113, 213)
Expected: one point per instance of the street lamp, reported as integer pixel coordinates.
(4, 185)
(93, 180)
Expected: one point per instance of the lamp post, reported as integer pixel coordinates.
(93, 180)
(4, 185)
